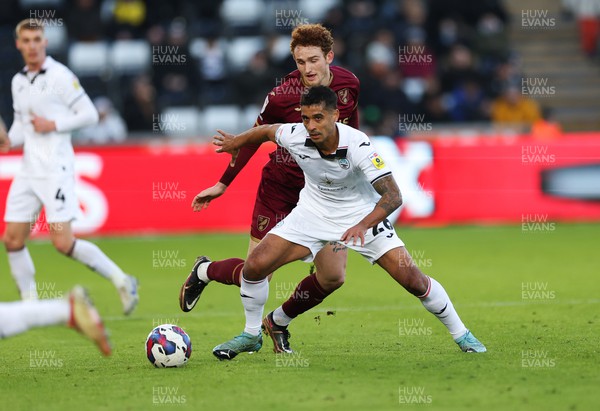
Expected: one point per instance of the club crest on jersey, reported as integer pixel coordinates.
(263, 222)
(343, 95)
(344, 163)
(377, 161)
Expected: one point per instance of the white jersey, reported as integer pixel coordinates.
(338, 187)
(49, 93)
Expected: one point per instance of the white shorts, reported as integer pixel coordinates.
(304, 228)
(27, 196)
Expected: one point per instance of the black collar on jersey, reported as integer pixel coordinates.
(340, 152)
(24, 72)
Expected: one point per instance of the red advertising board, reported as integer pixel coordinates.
(149, 189)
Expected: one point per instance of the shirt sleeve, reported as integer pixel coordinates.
(354, 120)
(83, 113)
(284, 133)
(371, 163)
(15, 133)
(270, 113)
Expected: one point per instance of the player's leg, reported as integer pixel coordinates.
(22, 207)
(77, 312)
(310, 292)
(92, 256)
(19, 259)
(399, 264)
(229, 271)
(272, 252)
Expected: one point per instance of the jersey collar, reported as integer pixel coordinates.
(48, 61)
(341, 152)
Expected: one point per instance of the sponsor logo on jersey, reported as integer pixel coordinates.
(344, 163)
(377, 161)
(263, 222)
(343, 95)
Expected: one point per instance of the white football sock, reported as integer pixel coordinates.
(20, 316)
(89, 254)
(281, 318)
(23, 271)
(254, 297)
(202, 272)
(437, 302)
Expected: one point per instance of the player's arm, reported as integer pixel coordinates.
(82, 111)
(229, 143)
(268, 115)
(4, 140)
(390, 200)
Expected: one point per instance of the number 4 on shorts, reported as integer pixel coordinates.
(60, 195)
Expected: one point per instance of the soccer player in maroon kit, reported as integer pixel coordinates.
(281, 180)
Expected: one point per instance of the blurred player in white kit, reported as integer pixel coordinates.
(49, 103)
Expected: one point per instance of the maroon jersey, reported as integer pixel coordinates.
(282, 179)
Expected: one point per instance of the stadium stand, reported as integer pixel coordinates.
(465, 54)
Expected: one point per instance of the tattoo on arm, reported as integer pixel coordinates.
(391, 198)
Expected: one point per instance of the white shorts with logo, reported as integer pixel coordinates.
(304, 228)
(27, 195)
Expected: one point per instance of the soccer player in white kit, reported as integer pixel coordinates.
(348, 194)
(77, 311)
(49, 103)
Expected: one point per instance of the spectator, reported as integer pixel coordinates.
(513, 107)
(213, 72)
(174, 71)
(587, 13)
(110, 128)
(491, 41)
(140, 105)
(250, 84)
(128, 19)
(469, 102)
(84, 22)
(459, 67)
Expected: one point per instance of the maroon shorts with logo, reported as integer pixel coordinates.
(277, 194)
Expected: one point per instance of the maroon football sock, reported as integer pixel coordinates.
(308, 294)
(226, 271)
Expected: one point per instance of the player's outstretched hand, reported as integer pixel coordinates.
(226, 145)
(355, 233)
(203, 199)
(4, 140)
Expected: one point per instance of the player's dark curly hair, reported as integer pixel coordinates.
(320, 94)
(308, 35)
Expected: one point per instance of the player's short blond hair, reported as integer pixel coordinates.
(29, 24)
(308, 35)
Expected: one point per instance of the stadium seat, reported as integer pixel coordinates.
(88, 58)
(249, 116)
(242, 49)
(197, 47)
(57, 38)
(315, 10)
(180, 122)
(281, 48)
(226, 118)
(130, 56)
(242, 12)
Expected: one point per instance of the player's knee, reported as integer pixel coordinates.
(13, 242)
(63, 245)
(416, 282)
(254, 269)
(332, 282)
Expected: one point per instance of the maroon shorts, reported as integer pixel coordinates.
(277, 196)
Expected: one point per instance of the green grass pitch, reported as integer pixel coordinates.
(532, 297)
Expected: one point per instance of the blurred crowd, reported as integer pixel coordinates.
(439, 61)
